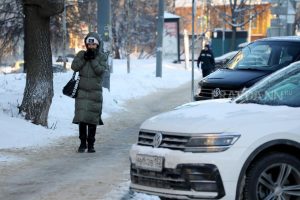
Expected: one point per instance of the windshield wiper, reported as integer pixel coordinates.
(224, 67)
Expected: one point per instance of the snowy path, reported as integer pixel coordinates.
(59, 173)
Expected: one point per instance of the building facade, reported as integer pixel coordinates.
(284, 14)
(209, 17)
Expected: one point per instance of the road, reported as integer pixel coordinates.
(59, 173)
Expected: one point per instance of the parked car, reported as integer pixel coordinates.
(222, 60)
(62, 59)
(242, 149)
(18, 67)
(57, 68)
(254, 62)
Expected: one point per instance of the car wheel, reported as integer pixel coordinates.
(274, 177)
(164, 198)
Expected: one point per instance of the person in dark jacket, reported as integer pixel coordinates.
(91, 65)
(207, 60)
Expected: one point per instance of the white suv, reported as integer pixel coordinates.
(245, 149)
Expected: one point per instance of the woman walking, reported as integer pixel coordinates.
(91, 65)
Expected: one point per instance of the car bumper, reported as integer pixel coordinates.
(187, 181)
(197, 97)
(173, 194)
(187, 175)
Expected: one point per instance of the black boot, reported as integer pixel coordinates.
(81, 148)
(83, 137)
(91, 150)
(91, 138)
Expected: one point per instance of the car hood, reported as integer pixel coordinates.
(216, 116)
(233, 78)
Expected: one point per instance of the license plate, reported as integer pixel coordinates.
(153, 163)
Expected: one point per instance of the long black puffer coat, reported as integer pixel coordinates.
(88, 103)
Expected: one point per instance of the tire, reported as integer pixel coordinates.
(164, 198)
(271, 178)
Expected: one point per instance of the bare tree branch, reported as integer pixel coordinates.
(11, 25)
(239, 12)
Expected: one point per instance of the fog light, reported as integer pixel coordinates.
(205, 187)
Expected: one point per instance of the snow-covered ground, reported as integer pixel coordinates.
(121, 192)
(15, 132)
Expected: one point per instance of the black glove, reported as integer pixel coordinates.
(89, 54)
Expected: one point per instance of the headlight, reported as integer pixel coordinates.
(198, 89)
(211, 142)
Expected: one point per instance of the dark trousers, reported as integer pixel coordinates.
(87, 134)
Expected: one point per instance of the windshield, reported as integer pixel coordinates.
(280, 88)
(265, 56)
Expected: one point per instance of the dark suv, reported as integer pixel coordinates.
(254, 62)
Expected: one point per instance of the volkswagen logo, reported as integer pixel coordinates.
(157, 140)
(216, 92)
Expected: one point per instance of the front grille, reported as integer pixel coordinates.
(170, 141)
(186, 177)
(209, 93)
(168, 179)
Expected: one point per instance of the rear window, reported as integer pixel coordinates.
(266, 56)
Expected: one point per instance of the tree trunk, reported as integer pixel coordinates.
(38, 91)
(117, 53)
(233, 39)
